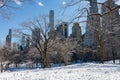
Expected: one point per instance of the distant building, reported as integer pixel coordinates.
(14, 47)
(93, 22)
(112, 19)
(23, 42)
(76, 31)
(51, 23)
(36, 36)
(9, 39)
(62, 29)
(27, 42)
(51, 20)
(111, 27)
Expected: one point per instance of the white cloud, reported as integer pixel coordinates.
(63, 3)
(118, 2)
(1, 3)
(18, 2)
(40, 4)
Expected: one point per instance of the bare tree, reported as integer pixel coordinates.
(95, 21)
(41, 39)
(62, 49)
(5, 58)
(33, 57)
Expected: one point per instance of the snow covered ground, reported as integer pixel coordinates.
(81, 71)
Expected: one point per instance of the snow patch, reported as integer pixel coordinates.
(80, 71)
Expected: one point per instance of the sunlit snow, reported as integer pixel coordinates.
(81, 71)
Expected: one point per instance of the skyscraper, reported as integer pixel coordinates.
(51, 20)
(9, 39)
(112, 19)
(93, 22)
(111, 27)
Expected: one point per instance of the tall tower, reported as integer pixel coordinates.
(51, 20)
(93, 22)
(9, 38)
(111, 24)
(112, 19)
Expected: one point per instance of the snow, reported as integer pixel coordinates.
(80, 71)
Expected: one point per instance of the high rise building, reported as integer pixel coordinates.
(62, 29)
(36, 36)
(111, 27)
(9, 39)
(112, 19)
(51, 20)
(93, 22)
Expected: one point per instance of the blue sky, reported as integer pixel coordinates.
(28, 11)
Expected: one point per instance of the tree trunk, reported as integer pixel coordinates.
(1, 67)
(45, 62)
(113, 55)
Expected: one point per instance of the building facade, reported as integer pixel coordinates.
(76, 30)
(62, 29)
(36, 36)
(110, 20)
(93, 23)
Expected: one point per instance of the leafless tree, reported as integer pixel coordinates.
(42, 42)
(62, 50)
(5, 58)
(97, 28)
(33, 57)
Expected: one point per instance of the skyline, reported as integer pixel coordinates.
(29, 11)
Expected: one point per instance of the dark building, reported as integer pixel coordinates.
(9, 39)
(51, 20)
(62, 29)
(23, 42)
